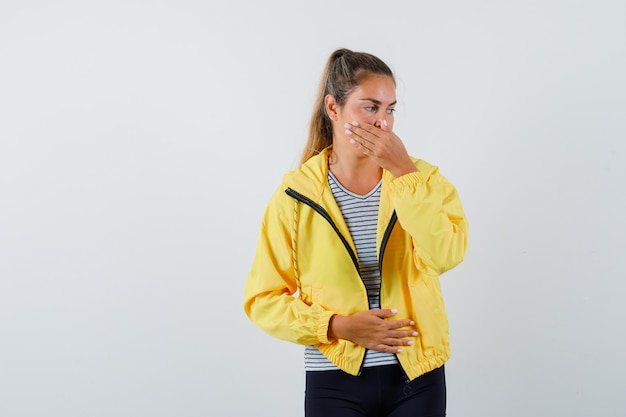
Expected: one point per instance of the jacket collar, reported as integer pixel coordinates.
(311, 180)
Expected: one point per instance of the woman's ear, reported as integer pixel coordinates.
(330, 105)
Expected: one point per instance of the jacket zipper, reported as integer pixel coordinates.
(319, 209)
(383, 246)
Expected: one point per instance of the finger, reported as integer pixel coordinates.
(365, 131)
(385, 312)
(402, 334)
(364, 127)
(398, 324)
(399, 342)
(387, 348)
(358, 141)
(371, 144)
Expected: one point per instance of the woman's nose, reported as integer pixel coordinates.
(381, 123)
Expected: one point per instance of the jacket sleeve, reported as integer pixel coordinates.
(429, 209)
(270, 299)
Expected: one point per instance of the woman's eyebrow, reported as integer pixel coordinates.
(378, 102)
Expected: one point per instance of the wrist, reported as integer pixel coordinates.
(407, 169)
(334, 326)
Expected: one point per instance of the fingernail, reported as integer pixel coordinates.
(414, 333)
(410, 343)
(399, 350)
(347, 125)
(394, 311)
(412, 322)
(348, 132)
(355, 123)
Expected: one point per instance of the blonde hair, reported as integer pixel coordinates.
(344, 71)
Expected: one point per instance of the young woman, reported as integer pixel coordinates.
(350, 252)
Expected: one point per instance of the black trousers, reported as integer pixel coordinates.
(380, 391)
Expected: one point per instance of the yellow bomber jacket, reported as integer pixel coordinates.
(305, 267)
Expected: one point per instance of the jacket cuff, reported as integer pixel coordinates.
(322, 329)
(411, 179)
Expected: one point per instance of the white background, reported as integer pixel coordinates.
(140, 141)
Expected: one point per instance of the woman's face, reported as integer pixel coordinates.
(372, 102)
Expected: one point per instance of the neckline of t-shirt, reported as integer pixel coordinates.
(345, 190)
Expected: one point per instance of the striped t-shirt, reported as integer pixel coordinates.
(361, 216)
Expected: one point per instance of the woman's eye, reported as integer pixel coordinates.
(371, 109)
(391, 111)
